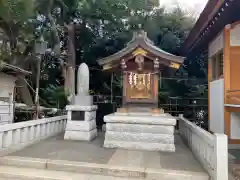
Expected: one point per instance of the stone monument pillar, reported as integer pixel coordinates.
(81, 123)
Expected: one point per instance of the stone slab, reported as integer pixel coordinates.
(139, 137)
(104, 128)
(134, 119)
(103, 169)
(129, 159)
(82, 100)
(81, 108)
(156, 174)
(140, 146)
(18, 173)
(23, 162)
(90, 115)
(81, 125)
(80, 135)
(140, 128)
(141, 113)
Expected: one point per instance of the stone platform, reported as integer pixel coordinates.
(140, 131)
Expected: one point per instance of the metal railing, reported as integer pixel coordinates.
(195, 109)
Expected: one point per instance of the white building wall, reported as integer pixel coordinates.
(217, 106)
(7, 85)
(235, 36)
(216, 88)
(216, 45)
(6, 112)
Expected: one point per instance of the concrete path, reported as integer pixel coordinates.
(231, 177)
(77, 156)
(233, 166)
(92, 152)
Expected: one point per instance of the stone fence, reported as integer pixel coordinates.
(19, 135)
(211, 150)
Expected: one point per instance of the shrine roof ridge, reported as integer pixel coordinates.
(140, 40)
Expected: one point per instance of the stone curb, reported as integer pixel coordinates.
(100, 169)
(71, 166)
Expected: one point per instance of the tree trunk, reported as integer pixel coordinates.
(69, 84)
(56, 47)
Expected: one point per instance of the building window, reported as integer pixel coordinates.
(217, 66)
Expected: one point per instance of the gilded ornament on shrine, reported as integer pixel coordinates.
(107, 66)
(140, 51)
(140, 85)
(122, 110)
(140, 62)
(157, 111)
(174, 65)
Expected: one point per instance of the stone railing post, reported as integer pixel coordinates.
(211, 150)
(221, 157)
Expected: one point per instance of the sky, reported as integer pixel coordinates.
(192, 6)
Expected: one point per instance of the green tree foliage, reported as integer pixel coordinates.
(54, 96)
(16, 30)
(15, 10)
(104, 27)
(17, 33)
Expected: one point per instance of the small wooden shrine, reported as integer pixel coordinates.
(140, 61)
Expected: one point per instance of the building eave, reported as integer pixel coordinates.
(208, 20)
(141, 41)
(10, 69)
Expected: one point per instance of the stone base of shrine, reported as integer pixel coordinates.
(140, 131)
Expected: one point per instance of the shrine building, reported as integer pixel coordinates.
(217, 32)
(142, 64)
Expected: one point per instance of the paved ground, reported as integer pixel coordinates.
(93, 152)
(233, 164)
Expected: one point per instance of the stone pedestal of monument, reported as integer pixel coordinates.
(140, 131)
(81, 123)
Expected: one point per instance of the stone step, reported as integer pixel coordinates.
(139, 137)
(162, 119)
(145, 146)
(16, 173)
(70, 166)
(140, 128)
(21, 168)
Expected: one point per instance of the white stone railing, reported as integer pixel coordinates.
(19, 135)
(211, 150)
